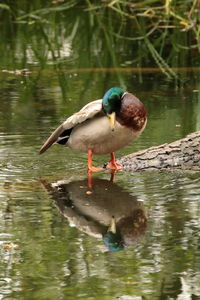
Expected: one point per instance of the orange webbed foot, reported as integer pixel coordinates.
(91, 168)
(95, 169)
(113, 165)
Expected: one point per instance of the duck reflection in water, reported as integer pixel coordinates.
(107, 211)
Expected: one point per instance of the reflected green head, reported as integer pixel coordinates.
(112, 100)
(113, 241)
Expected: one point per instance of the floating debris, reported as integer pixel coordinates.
(18, 72)
(10, 246)
(88, 192)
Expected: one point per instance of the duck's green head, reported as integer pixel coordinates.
(113, 239)
(113, 242)
(111, 103)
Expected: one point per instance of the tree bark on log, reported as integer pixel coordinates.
(182, 154)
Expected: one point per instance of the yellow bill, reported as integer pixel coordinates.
(112, 226)
(112, 118)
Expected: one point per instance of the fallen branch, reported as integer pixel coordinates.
(182, 154)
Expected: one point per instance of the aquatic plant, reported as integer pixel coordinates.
(116, 33)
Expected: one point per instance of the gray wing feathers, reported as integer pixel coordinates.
(52, 139)
(87, 112)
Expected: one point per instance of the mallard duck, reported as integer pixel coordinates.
(110, 212)
(102, 126)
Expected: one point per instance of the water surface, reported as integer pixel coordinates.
(54, 242)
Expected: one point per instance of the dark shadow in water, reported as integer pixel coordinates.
(107, 211)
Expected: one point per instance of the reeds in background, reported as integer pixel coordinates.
(102, 34)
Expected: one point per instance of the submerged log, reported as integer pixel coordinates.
(182, 154)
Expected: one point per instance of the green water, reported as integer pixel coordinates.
(56, 227)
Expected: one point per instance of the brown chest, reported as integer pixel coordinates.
(132, 113)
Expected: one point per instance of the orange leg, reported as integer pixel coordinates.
(112, 175)
(113, 164)
(90, 166)
(111, 171)
(90, 179)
